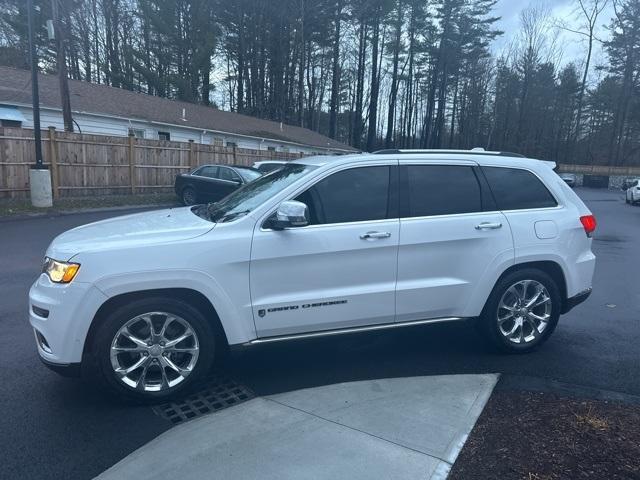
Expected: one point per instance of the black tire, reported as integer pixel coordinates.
(189, 196)
(102, 370)
(489, 317)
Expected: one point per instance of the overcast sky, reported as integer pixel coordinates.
(572, 46)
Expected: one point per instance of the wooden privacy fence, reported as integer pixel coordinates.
(603, 170)
(84, 165)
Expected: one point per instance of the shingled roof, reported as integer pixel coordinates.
(15, 89)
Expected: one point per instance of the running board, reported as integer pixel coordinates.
(341, 331)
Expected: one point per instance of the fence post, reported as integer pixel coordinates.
(235, 158)
(192, 155)
(132, 162)
(55, 175)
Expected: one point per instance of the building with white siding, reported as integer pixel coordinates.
(104, 110)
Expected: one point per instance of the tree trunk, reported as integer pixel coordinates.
(393, 94)
(335, 74)
(375, 83)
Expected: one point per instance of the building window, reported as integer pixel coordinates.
(271, 149)
(164, 136)
(11, 123)
(232, 144)
(136, 132)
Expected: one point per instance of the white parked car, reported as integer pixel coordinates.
(569, 178)
(266, 166)
(633, 192)
(326, 245)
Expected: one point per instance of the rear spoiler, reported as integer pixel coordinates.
(550, 164)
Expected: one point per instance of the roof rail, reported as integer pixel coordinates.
(475, 151)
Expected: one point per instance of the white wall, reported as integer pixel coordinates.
(98, 125)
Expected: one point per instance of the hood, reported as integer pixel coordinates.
(137, 230)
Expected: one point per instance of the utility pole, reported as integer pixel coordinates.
(35, 95)
(39, 175)
(62, 68)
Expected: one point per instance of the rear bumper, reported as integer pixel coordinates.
(576, 300)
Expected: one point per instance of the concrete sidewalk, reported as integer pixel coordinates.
(404, 428)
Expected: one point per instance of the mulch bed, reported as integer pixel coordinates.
(541, 436)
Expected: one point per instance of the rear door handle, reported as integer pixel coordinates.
(374, 235)
(488, 226)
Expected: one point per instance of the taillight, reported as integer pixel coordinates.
(589, 223)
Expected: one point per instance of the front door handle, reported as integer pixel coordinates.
(374, 235)
(488, 226)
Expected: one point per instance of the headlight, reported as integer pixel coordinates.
(60, 272)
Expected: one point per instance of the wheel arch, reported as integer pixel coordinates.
(188, 295)
(551, 268)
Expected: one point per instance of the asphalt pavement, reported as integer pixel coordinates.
(62, 428)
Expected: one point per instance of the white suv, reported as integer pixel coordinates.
(322, 246)
(633, 192)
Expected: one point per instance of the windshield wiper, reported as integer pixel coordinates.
(231, 216)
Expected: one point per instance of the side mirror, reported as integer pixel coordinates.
(290, 213)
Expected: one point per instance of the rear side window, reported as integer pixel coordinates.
(353, 195)
(441, 190)
(516, 189)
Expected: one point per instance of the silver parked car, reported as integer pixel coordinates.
(570, 179)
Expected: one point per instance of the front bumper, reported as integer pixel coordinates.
(60, 315)
(575, 300)
(64, 369)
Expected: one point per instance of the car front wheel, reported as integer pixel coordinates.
(522, 311)
(151, 350)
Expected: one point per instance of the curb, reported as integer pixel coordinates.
(521, 383)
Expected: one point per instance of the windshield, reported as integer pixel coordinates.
(254, 194)
(248, 174)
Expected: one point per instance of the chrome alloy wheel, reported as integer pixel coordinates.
(524, 311)
(154, 351)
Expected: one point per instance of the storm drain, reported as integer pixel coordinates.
(215, 393)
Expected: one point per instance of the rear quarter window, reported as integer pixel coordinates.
(517, 189)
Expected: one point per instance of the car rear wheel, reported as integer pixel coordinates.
(151, 350)
(522, 311)
(189, 196)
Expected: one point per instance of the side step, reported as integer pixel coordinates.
(341, 331)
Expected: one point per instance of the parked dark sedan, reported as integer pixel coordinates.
(210, 183)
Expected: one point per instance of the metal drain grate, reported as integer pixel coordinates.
(215, 393)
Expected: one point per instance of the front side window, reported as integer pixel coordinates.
(208, 171)
(441, 190)
(517, 189)
(229, 175)
(354, 195)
